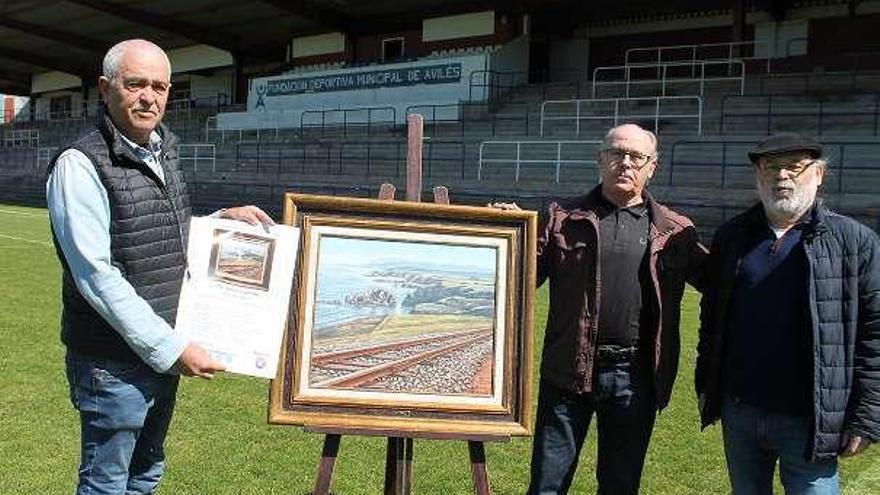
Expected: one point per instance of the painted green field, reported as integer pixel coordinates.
(220, 442)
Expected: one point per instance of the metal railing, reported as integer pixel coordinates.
(178, 110)
(210, 195)
(818, 110)
(258, 133)
(495, 85)
(350, 117)
(210, 125)
(795, 83)
(45, 155)
(464, 113)
(667, 74)
(21, 138)
(194, 153)
(360, 158)
(518, 160)
(180, 102)
(724, 51)
(838, 155)
(318, 121)
(616, 115)
(58, 115)
(197, 98)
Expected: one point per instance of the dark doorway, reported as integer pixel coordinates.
(392, 49)
(539, 61)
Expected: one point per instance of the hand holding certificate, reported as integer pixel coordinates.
(234, 300)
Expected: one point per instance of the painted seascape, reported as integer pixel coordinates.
(404, 317)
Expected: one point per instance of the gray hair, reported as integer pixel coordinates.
(609, 136)
(115, 53)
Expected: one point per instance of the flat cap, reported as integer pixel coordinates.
(785, 142)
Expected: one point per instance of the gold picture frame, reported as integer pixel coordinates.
(408, 319)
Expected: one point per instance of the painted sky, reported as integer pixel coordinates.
(360, 252)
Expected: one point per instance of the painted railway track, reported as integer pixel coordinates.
(358, 367)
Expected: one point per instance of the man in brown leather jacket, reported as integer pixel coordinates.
(617, 262)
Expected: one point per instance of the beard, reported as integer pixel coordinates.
(786, 198)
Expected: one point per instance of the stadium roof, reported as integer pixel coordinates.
(72, 35)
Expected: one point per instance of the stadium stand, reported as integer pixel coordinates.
(521, 109)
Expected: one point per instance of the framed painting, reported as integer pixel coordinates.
(408, 319)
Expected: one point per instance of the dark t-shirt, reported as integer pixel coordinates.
(623, 238)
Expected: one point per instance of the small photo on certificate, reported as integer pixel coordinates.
(242, 259)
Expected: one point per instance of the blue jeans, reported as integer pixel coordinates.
(625, 409)
(755, 439)
(124, 410)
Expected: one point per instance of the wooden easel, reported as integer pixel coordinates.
(398, 458)
(399, 453)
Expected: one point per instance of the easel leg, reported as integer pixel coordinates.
(325, 467)
(398, 466)
(409, 458)
(391, 465)
(478, 468)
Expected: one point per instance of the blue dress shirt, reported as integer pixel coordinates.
(80, 214)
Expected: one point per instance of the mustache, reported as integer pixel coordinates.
(784, 183)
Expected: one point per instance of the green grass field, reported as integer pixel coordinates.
(220, 442)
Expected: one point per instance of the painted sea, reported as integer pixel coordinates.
(361, 278)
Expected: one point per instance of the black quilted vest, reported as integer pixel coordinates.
(149, 225)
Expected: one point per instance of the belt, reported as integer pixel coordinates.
(616, 353)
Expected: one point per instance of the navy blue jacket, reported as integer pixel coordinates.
(844, 287)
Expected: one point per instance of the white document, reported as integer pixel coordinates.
(235, 297)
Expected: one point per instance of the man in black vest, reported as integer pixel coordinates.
(120, 217)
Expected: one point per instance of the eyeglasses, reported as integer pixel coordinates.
(793, 167)
(617, 156)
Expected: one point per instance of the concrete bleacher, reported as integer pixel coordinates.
(703, 169)
(823, 114)
(22, 176)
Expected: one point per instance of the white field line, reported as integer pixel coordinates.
(22, 239)
(24, 213)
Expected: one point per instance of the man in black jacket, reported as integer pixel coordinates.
(789, 352)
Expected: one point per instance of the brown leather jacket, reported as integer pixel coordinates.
(568, 255)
